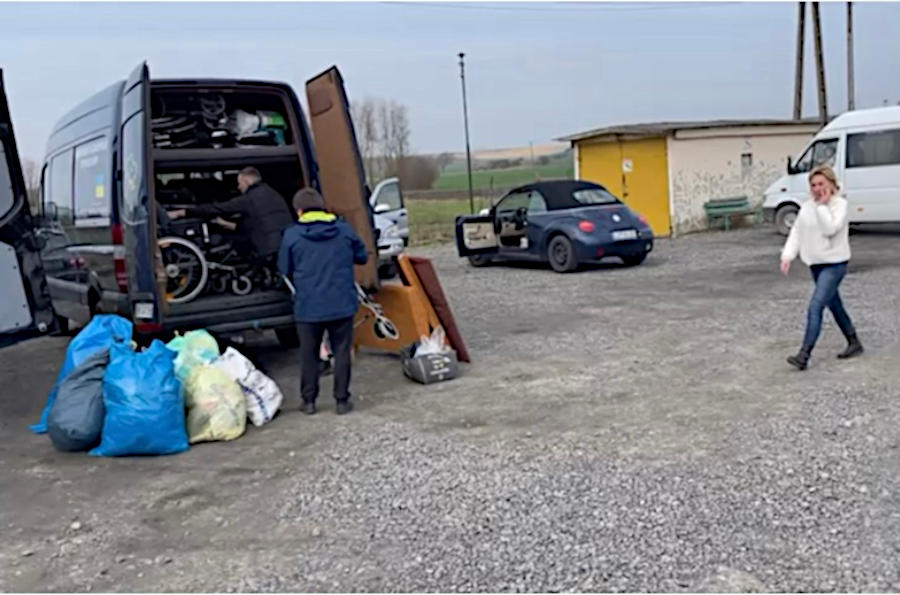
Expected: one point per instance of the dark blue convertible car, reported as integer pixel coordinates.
(563, 222)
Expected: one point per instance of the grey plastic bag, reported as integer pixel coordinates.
(76, 418)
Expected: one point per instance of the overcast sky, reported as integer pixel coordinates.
(535, 71)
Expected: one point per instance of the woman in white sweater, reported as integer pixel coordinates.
(821, 237)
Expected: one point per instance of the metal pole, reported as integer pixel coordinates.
(798, 77)
(820, 64)
(851, 92)
(462, 76)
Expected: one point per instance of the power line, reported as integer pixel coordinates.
(601, 7)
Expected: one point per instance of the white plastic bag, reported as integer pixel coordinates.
(262, 395)
(436, 343)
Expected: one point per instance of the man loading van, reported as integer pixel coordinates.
(264, 215)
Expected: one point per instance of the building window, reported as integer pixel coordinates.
(746, 160)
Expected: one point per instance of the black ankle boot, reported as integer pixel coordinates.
(800, 360)
(854, 347)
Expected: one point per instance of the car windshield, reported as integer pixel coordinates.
(594, 196)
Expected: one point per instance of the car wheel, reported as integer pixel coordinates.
(287, 337)
(634, 259)
(785, 218)
(561, 255)
(479, 260)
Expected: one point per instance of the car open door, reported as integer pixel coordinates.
(140, 265)
(475, 234)
(25, 307)
(341, 172)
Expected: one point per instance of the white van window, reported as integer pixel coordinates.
(871, 149)
(820, 153)
(92, 179)
(389, 195)
(59, 194)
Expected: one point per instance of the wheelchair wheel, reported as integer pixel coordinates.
(186, 269)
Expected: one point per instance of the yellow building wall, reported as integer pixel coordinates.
(636, 171)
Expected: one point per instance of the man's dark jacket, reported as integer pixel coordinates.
(264, 216)
(318, 253)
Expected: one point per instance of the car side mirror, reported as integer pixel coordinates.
(382, 208)
(484, 212)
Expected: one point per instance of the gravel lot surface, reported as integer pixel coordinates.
(621, 430)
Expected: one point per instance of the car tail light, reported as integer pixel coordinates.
(600, 252)
(587, 226)
(119, 263)
(643, 219)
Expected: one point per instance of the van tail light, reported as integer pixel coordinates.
(587, 226)
(148, 328)
(119, 262)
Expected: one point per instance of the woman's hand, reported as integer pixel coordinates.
(785, 267)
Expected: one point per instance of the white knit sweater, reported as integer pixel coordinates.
(821, 233)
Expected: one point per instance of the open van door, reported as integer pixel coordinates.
(25, 307)
(139, 265)
(341, 172)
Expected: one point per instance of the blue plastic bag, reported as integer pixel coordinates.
(144, 404)
(101, 332)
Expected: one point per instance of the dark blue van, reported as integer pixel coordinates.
(116, 163)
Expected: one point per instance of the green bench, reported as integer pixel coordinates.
(726, 208)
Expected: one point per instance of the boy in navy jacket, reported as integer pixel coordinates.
(318, 253)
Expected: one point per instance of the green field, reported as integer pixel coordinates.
(456, 178)
(432, 221)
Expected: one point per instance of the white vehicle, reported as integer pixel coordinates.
(390, 245)
(387, 200)
(863, 147)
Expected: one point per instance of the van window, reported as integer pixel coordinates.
(7, 199)
(819, 153)
(92, 180)
(60, 191)
(389, 195)
(871, 149)
(133, 169)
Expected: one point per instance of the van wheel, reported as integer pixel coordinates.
(785, 217)
(479, 260)
(64, 326)
(287, 337)
(561, 254)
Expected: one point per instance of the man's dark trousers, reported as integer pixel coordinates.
(340, 334)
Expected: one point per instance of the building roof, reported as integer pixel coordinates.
(665, 128)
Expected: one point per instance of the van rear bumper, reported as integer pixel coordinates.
(231, 313)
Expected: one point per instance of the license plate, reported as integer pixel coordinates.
(625, 234)
(143, 310)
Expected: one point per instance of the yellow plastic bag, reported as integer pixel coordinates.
(216, 406)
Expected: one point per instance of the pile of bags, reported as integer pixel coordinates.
(115, 401)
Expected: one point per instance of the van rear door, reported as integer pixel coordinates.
(137, 204)
(341, 172)
(25, 307)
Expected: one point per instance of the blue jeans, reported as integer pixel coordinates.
(827, 278)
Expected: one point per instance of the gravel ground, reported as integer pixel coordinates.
(620, 430)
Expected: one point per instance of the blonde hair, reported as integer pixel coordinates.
(827, 173)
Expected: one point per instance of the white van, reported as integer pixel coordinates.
(863, 147)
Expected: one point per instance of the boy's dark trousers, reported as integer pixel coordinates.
(340, 335)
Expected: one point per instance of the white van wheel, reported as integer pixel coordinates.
(785, 217)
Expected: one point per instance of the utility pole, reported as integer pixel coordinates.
(851, 99)
(820, 65)
(798, 76)
(462, 76)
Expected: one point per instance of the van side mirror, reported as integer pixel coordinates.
(790, 166)
(382, 208)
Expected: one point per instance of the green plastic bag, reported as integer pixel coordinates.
(194, 348)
